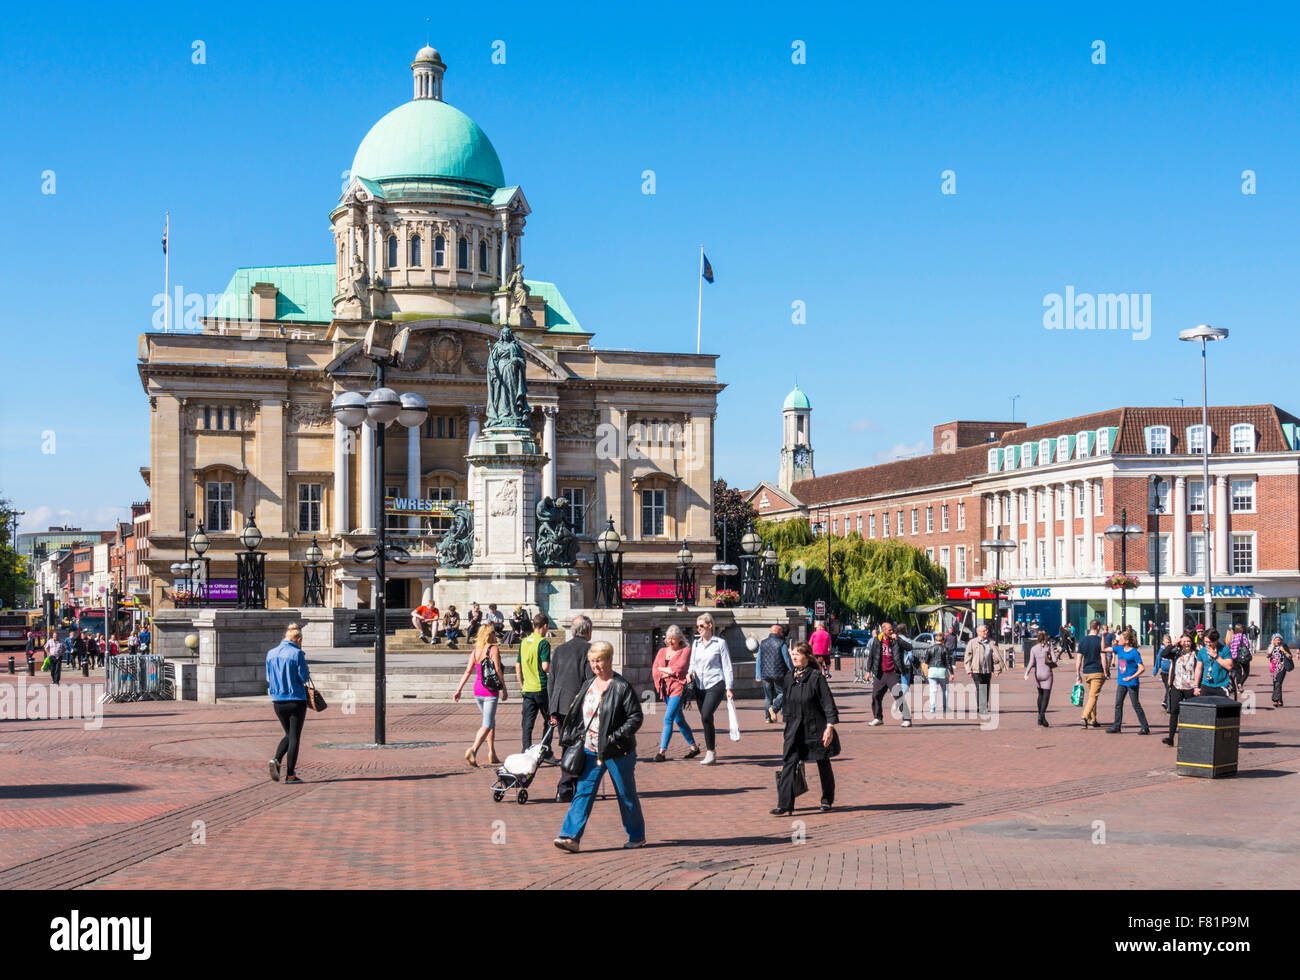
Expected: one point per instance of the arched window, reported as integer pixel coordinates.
(462, 254)
(439, 251)
(415, 250)
(482, 255)
(392, 251)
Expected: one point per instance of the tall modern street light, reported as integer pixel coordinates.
(1124, 532)
(1157, 508)
(1205, 333)
(381, 407)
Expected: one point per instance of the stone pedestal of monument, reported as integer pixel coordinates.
(504, 487)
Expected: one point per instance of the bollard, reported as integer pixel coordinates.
(11, 665)
(85, 667)
(31, 667)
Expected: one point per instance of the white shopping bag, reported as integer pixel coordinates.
(735, 722)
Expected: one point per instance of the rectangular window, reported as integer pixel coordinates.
(1060, 502)
(929, 520)
(1042, 554)
(1196, 496)
(1196, 439)
(1243, 438)
(231, 415)
(835, 525)
(929, 554)
(1023, 552)
(1098, 554)
(440, 522)
(961, 563)
(1078, 500)
(207, 417)
(871, 525)
(884, 524)
(1043, 503)
(654, 505)
(1243, 554)
(219, 499)
(1098, 499)
(1164, 553)
(1158, 440)
(961, 517)
(395, 522)
(899, 525)
(1060, 553)
(943, 518)
(1079, 555)
(577, 514)
(859, 528)
(914, 520)
(1195, 554)
(309, 497)
(1158, 499)
(442, 427)
(1243, 496)
(451, 427)
(945, 556)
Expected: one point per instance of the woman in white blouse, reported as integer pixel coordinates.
(710, 672)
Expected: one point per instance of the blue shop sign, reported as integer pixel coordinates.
(1219, 591)
(1043, 593)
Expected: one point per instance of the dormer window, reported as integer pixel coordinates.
(1196, 438)
(415, 250)
(462, 254)
(1081, 445)
(440, 252)
(1026, 454)
(1243, 438)
(1063, 447)
(995, 460)
(392, 251)
(1044, 452)
(1157, 440)
(1103, 442)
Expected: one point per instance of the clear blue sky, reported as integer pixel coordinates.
(817, 183)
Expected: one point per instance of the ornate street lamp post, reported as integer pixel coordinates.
(750, 569)
(200, 566)
(313, 587)
(250, 569)
(609, 569)
(685, 577)
(770, 562)
(1124, 532)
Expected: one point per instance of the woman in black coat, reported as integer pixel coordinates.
(810, 719)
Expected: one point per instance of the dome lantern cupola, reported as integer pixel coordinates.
(427, 69)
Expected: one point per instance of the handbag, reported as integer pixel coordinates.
(488, 673)
(1076, 694)
(314, 699)
(574, 759)
(800, 780)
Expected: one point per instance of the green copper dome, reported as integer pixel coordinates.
(796, 399)
(428, 138)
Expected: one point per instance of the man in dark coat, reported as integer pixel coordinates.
(569, 671)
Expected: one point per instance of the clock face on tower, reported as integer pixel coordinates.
(801, 456)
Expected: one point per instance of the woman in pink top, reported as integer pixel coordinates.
(485, 649)
(820, 641)
(672, 664)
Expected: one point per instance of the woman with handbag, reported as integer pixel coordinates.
(489, 685)
(287, 678)
(810, 719)
(1040, 665)
(600, 733)
(1279, 662)
(672, 663)
(710, 673)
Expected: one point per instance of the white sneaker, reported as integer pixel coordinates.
(874, 722)
(708, 759)
(906, 723)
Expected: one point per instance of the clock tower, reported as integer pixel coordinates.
(796, 440)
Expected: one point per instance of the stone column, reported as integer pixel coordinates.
(1221, 563)
(1067, 549)
(1031, 528)
(340, 478)
(1180, 530)
(473, 412)
(413, 472)
(1049, 531)
(366, 519)
(1089, 506)
(505, 248)
(548, 447)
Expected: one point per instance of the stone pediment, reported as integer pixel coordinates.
(443, 347)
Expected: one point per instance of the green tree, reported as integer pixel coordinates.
(878, 579)
(15, 577)
(730, 510)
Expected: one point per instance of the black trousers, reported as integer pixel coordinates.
(56, 669)
(1176, 697)
(1044, 695)
(1122, 692)
(534, 704)
(982, 682)
(1277, 686)
(888, 682)
(785, 780)
(707, 701)
(291, 714)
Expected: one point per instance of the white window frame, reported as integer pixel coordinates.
(859, 525)
(1103, 442)
(943, 517)
(436, 524)
(1098, 500)
(995, 460)
(1191, 500)
(961, 563)
(1247, 538)
(1195, 568)
(1077, 492)
(1158, 440)
(1026, 454)
(1234, 497)
(1098, 554)
(225, 503)
(654, 503)
(577, 509)
(884, 525)
(929, 554)
(1044, 451)
(1044, 505)
(1081, 445)
(1247, 445)
(871, 525)
(1061, 510)
(1193, 432)
(1079, 552)
(916, 521)
(1062, 447)
(945, 559)
(310, 496)
(1158, 497)
(1165, 544)
(929, 520)
(961, 516)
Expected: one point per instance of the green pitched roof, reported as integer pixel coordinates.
(559, 318)
(306, 293)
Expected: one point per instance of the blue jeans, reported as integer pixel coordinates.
(621, 772)
(773, 695)
(673, 715)
(905, 680)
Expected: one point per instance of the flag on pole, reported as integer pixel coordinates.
(708, 270)
(166, 222)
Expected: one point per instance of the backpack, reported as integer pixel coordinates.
(488, 673)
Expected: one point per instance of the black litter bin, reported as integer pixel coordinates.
(1209, 730)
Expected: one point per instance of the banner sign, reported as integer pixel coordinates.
(652, 588)
(419, 507)
(964, 594)
(1219, 591)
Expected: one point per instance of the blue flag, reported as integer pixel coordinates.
(708, 270)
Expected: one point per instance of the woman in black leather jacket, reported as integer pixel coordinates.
(810, 719)
(604, 718)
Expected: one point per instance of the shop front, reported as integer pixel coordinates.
(1280, 616)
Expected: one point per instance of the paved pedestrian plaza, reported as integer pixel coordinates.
(175, 795)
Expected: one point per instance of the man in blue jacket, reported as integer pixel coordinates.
(287, 678)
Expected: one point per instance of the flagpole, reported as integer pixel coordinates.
(167, 259)
(699, 310)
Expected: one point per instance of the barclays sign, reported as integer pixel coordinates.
(1219, 591)
(1042, 593)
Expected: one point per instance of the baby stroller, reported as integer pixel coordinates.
(517, 772)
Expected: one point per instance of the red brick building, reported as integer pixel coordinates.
(1053, 489)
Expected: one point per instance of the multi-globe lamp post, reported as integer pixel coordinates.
(380, 408)
(751, 567)
(1124, 532)
(313, 586)
(685, 577)
(609, 568)
(195, 572)
(999, 546)
(250, 568)
(1204, 334)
